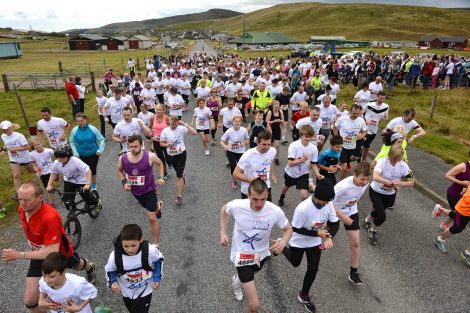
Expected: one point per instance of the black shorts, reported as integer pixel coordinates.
(276, 133)
(205, 131)
(22, 164)
(355, 224)
(35, 266)
(300, 182)
(366, 143)
(178, 162)
(149, 201)
(345, 156)
(92, 162)
(325, 132)
(224, 129)
(138, 305)
(45, 179)
(247, 273)
(244, 196)
(286, 115)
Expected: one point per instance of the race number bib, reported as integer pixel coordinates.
(325, 125)
(387, 188)
(53, 142)
(318, 225)
(239, 105)
(136, 93)
(35, 247)
(284, 107)
(201, 123)
(136, 180)
(263, 176)
(348, 139)
(215, 109)
(246, 259)
(174, 107)
(235, 146)
(173, 150)
(373, 123)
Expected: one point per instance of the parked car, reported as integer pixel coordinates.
(300, 53)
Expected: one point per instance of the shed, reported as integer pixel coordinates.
(87, 42)
(10, 50)
(443, 42)
(115, 43)
(138, 42)
(263, 38)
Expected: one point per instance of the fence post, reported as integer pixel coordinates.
(5, 82)
(92, 77)
(105, 68)
(61, 69)
(122, 62)
(433, 107)
(138, 64)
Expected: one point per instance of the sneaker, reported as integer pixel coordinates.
(98, 206)
(159, 208)
(276, 161)
(207, 152)
(94, 186)
(283, 140)
(170, 167)
(465, 257)
(91, 275)
(303, 298)
(367, 225)
(437, 211)
(310, 307)
(15, 196)
(444, 226)
(165, 176)
(227, 164)
(237, 288)
(213, 143)
(234, 185)
(355, 279)
(440, 244)
(372, 236)
(3, 213)
(281, 202)
(179, 199)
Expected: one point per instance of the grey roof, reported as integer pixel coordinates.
(320, 38)
(120, 38)
(444, 38)
(89, 36)
(263, 38)
(140, 37)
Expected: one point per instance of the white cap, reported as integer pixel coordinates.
(6, 124)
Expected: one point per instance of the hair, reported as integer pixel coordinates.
(38, 191)
(381, 93)
(409, 111)
(173, 89)
(230, 99)
(199, 100)
(317, 109)
(273, 102)
(127, 108)
(264, 135)
(234, 117)
(160, 106)
(365, 85)
(355, 107)
(78, 79)
(131, 232)
(395, 152)
(258, 186)
(46, 110)
(362, 168)
(286, 88)
(133, 138)
(326, 97)
(173, 118)
(213, 90)
(307, 131)
(143, 105)
(81, 114)
(336, 140)
(54, 262)
(259, 112)
(118, 90)
(34, 139)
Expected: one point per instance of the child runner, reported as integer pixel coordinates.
(204, 120)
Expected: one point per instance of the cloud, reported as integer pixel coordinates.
(51, 15)
(20, 14)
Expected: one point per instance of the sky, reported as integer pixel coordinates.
(55, 15)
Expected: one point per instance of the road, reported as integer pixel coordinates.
(202, 47)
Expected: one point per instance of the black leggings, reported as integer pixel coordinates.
(233, 159)
(213, 131)
(161, 153)
(294, 256)
(70, 190)
(139, 304)
(186, 99)
(380, 202)
(460, 222)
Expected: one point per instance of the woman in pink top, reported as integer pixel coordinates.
(157, 124)
(214, 103)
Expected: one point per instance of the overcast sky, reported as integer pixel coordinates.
(55, 15)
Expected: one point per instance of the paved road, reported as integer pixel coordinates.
(203, 47)
(403, 273)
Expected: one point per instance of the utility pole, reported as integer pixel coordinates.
(244, 24)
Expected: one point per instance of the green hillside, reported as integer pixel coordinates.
(355, 21)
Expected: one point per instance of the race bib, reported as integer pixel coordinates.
(239, 105)
(201, 122)
(174, 107)
(246, 259)
(318, 225)
(263, 176)
(136, 180)
(347, 139)
(173, 150)
(255, 139)
(373, 122)
(325, 125)
(215, 109)
(136, 93)
(387, 188)
(53, 142)
(235, 146)
(35, 247)
(284, 107)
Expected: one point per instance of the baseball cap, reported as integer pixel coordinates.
(6, 124)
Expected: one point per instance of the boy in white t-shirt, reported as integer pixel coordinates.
(61, 291)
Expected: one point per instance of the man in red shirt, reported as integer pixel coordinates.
(72, 95)
(304, 112)
(43, 229)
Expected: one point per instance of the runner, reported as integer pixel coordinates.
(297, 98)
(407, 120)
(240, 104)
(328, 160)
(254, 220)
(175, 103)
(102, 113)
(172, 138)
(226, 114)
(41, 159)
(261, 99)
(43, 228)
(184, 89)
(214, 103)
(316, 123)
(148, 96)
(375, 87)
(390, 174)
(127, 127)
(347, 195)
(234, 140)
(146, 116)
(314, 219)
(284, 102)
(374, 113)
(275, 120)
(17, 147)
(257, 126)
(135, 170)
(54, 128)
(257, 163)
(202, 91)
(115, 105)
(362, 96)
(304, 112)
(328, 116)
(204, 121)
(159, 86)
(157, 125)
(302, 155)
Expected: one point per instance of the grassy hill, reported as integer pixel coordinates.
(355, 21)
(129, 27)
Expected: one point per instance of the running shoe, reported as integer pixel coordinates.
(207, 152)
(165, 176)
(367, 225)
(170, 167)
(440, 244)
(372, 236)
(281, 202)
(227, 164)
(465, 257)
(303, 298)
(237, 288)
(310, 307)
(444, 226)
(91, 274)
(355, 279)
(179, 199)
(15, 196)
(98, 206)
(159, 208)
(234, 185)
(437, 211)
(276, 161)
(94, 186)
(3, 213)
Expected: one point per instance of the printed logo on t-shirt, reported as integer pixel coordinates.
(261, 225)
(318, 225)
(74, 176)
(250, 239)
(263, 174)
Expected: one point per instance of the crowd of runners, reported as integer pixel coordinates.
(248, 108)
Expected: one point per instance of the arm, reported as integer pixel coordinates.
(99, 139)
(450, 175)
(117, 138)
(223, 226)
(278, 246)
(161, 169)
(344, 218)
(52, 179)
(157, 271)
(316, 171)
(122, 176)
(419, 133)
(191, 130)
(238, 174)
(144, 129)
(272, 173)
(12, 254)
(73, 143)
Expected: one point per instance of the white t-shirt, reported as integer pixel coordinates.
(184, 87)
(373, 114)
(349, 129)
(145, 117)
(137, 281)
(43, 160)
(74, 171)
(159, 86)
(232, 90)
(234, 138)
(316, 125)
(149, 97)
(253, 163)
(296, 98)
(362, 97)
(399, 121)
(307, 215)
(53, 130)
(296, 151)
(227, 115)
(175, 104)
(347, 194)
(335, 89)
(374, 89)
(76, 288)
(202, 117)
(101, 101)
(220, 86)
(168, 82)
(328, 115)
(203, 92)
(275, 90)
(252, 229)
(125, 130)
(175, 139)
(115, 108)
(389, 172)
(16, 140)
(246, 89)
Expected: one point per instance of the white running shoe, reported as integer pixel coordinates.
(207, 152)
(237, 288)
(437, 211)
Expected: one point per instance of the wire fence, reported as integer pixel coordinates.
(44, 81)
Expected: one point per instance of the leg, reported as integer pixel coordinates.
(203, 140)
(154, 227)
(16, 171)
(354, 247)
(102, 125)
(313, 260)
(31, 295)
(293, 255)
(252, 299)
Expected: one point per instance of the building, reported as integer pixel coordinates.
(10, 50)
(331, 42)
(395, 44)
(443, 42)
(87, 42)
(138, 42)
(254, 39)
(115, 43)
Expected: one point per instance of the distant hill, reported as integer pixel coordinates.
(131, 27)
(355, 21)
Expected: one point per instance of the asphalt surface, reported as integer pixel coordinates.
(202, 47)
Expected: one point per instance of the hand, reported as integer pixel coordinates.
(62, 138)
(71, 306)
(225, 147)
(141, 123)
(323, 233)
(348, 221)
(320, 176)
(160, 181)
(274, 180)
(155, 285)
(115, 288)
(123, 139)
(39, 170)
(12, 150)
(411, 139)
(86, 187)
(10, 255)
(277, 246)
(127, 187)
(98, 153)
(328, 244)
(224, 240)
(48, 304)
(306, 157)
